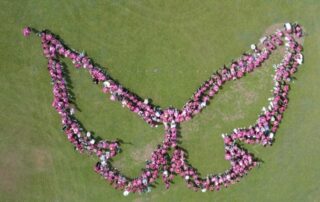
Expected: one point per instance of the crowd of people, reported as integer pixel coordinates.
(161, 163)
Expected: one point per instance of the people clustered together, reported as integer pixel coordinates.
(161, 163)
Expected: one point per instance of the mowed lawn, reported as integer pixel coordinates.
(161, 50)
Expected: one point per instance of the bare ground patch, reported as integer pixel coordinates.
(42, 159)
(138, 200)
(271, 29)
(233, 117)
(137, 157)
(143, 153)
(10, 172)
(249, 96)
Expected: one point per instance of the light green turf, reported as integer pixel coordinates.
(162, 50)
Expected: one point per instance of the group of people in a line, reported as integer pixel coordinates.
(161, 163)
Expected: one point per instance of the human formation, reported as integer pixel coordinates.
(162, 164)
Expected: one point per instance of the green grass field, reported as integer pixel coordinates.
(162, 50)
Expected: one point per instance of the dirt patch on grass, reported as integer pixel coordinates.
(233, 117)
(9, 172)
(143, 154)
(119, 163)
(239, 94)
(249, 96)
(138, 200)
(8, 180)
(42, 159)
(271, 29)
(138, 156)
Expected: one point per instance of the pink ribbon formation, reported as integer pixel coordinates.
(161, 162)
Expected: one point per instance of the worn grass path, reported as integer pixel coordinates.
(162, 50)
